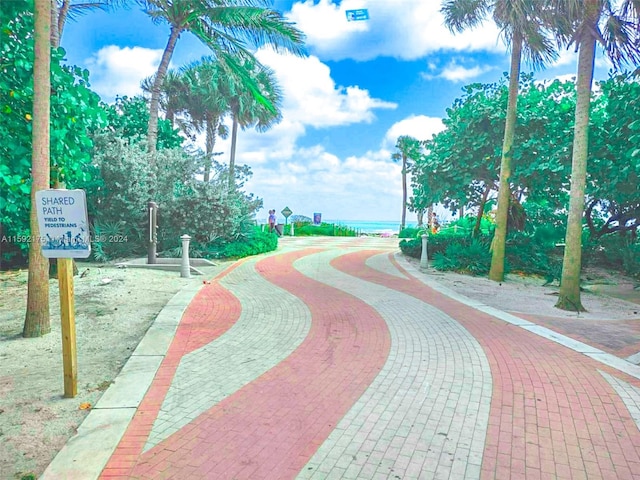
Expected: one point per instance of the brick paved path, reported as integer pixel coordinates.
(332, 359)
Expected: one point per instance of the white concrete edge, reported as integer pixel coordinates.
(608, 359)
(635, 358)
(85, 455)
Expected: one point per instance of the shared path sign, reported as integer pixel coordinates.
(64, 228)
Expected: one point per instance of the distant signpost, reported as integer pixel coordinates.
(357, 15)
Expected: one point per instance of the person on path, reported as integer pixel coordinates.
(272, 221)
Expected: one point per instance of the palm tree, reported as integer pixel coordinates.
(585, 23)
(225, 27)
(206, 104)
(248, 108)
(523, 28)
(37, 321)
(408, 151)
(61, 10)
(172, 96)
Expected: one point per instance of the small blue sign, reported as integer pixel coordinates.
(357, 15)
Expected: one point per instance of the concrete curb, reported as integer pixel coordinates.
(605, 358)
(85, 455)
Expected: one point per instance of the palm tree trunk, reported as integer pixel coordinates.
(232, 156)
(496, 272)
(154, 104)
(37, 321)
(430, 217)
(404, 191)
(483, 201)
(212, 126)
(569, 298)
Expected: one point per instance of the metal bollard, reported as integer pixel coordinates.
(424, 259)
(185, 268)
(153, 234)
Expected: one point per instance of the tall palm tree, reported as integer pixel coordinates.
(37, 320)
(259, 109)
(408, 150)
(226, 27)
(172, 96)
(61, 10)
(522, 27)
(205, 103)
(586, 23)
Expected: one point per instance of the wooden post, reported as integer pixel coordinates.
(68, 318)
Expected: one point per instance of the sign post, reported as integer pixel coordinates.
(64, 227)
(286, 212)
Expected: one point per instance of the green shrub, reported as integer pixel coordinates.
(254, 243)
(617, 252)
(410, 232)
(411, 248)
(473, 258)
(436, 243)
(324, 229)
(115, 240)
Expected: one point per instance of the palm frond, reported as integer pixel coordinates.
(620, 38)
(255, 26)
(462, 14)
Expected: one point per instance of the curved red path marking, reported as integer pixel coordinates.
(209, 315)
(552, 414)
(271, 427)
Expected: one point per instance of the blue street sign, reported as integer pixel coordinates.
(357, 15)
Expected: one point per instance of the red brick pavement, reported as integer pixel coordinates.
(211, 313)
(552, 414)
(271, 427)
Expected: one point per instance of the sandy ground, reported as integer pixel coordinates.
(114, 308)
(605, 296)
(111, 318)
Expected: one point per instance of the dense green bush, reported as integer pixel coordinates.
(410, 232)
(75, 112)
(472, 257)
(253, 242)
(620, 252)
(436, 243)
(530, 253)
(208, 212)
(325, 229)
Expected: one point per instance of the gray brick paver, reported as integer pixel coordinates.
(434, 370)
(264, 335)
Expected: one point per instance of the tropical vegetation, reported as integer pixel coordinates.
(459, 166)
(104, 149)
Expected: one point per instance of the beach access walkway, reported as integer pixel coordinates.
(335, 358)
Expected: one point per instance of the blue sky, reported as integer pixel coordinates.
(362, 85)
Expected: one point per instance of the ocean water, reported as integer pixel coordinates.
(367, 226)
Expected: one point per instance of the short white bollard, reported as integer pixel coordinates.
(291, 231)
(185, 268)
(424, 259)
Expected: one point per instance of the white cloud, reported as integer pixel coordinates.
(118, 71)
(312, 96)
(420, 127)
(406, 30)
(366, 186)
(455, 72)
(363, 187)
